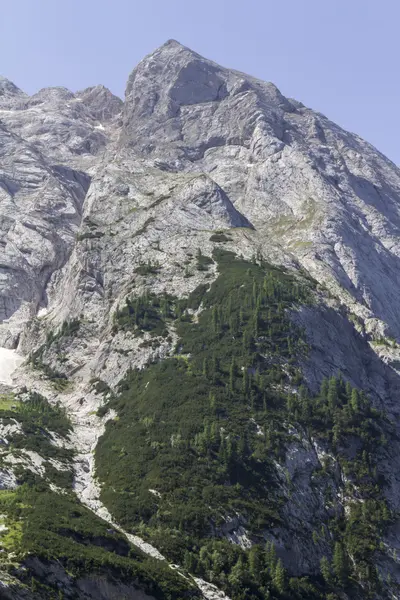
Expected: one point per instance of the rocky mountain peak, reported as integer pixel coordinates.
(102, 103)
(179, 104)
(8, 86)
(51, 95)
(10, 94)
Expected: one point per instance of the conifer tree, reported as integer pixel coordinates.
(354, 400)
(245, 380)
(324, 389)
(332, 393)
(237, 575)
(326, 570)
(205, 370)
(232, 377)
(339, 564)
(279, 578)
(270, 558)
(255, 562)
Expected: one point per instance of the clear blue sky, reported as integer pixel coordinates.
(340, 57)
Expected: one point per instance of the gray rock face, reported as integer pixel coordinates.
(40, 213)
(10, 95)
(322, 194)
(179, 105)
(62, 125)
(101, 102)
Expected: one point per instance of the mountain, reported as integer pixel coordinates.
(200, 346)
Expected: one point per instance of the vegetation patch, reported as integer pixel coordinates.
(207, 427)
(149, 268)
(89, 235)
(69, 329)
(38, 418)
(147, 313)
(203, 262)
(219, 236)
(54, 527)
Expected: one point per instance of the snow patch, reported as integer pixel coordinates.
(9, 361)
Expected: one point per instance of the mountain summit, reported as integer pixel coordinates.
(200, 344)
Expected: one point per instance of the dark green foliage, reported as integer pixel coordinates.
(220, 237)
(38, 411)
(147, 313)
(89, 235)
(203, 262)
(188, 432)
(56, 527)
(148, 268)
(37, 358)
(61, 478)
(101, 387)
(206, 427)
(37, 418)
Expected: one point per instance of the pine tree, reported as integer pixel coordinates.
(245, 381)
(232, 377)
(242, 446)
(212, 401)
(354, 400)
(332, 393)
(256, 322)
(349, 390)
(214, 368)
(205, 370)
(270, 558)
(324, 389)
(339, 564)
(255, 562)
(290, 403)
(237, 575)
(215, 319)
(326, 570)
(245, 342)
(279, 578)
(189, 562)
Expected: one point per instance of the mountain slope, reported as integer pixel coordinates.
(204, 282)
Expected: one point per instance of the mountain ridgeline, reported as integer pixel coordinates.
(201, 284)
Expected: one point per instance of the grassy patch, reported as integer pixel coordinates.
(8, 402)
